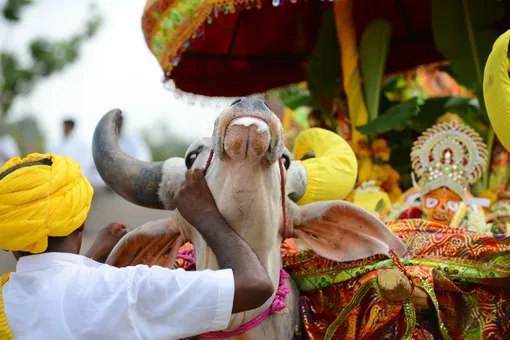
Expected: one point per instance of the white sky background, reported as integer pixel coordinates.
(115, 70)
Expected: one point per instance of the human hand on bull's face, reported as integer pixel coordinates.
(247, 163)
(194, 199)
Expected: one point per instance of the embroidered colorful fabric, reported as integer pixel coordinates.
(465, 274)
(235, 55)
(170, 25)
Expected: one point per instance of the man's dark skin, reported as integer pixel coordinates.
(253, 287)
(195, 203)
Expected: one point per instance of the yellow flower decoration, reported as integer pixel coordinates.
(449, 117)
(365, 170)
(395, 193)
(381, 150)
(392, 175)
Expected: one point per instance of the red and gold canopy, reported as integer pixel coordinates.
(241, 47)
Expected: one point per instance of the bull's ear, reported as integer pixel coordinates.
(341, 231)
(153, 243)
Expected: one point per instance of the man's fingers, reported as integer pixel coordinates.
(198, 174)
(189, 175)
(119, 228)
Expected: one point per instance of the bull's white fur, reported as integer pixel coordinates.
(246, 197)
(247, 193)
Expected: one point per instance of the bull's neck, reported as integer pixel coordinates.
(253, 209)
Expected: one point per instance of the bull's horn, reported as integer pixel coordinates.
(331, 175)
(134, 180)
(496, 89)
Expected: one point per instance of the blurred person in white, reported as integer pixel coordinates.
(134, 145)
(8, 147)
(71, 146)
(74, 147)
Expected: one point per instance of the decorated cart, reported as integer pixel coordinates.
(403, 83)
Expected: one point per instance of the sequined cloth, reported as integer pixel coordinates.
(465, 274)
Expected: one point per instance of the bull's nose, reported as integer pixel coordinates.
(251, 104)
(237, 101)
(247, 137)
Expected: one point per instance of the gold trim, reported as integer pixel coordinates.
(197, 20)
(356, 299)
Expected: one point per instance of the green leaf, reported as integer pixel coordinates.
(296, 100)
(12, 9)
(324, 69)
(457, 103)
(430, 111)
(462, 35)
(374, 47)
(397, 117)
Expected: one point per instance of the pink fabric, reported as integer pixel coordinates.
(187, 255)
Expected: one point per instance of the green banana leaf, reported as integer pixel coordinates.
(430, 111)
(374, 46)
(396, 118)
(325, 68)
(462, 35)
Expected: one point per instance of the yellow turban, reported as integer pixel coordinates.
(332, 173)
(42, 200)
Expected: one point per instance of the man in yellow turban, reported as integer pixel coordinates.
(57, 294)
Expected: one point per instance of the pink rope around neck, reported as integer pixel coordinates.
(277, 306)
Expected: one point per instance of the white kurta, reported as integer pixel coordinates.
(61, 296)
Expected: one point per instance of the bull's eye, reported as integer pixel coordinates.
(191, 158)
(286, 161)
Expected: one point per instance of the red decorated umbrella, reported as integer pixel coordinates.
(241, 47)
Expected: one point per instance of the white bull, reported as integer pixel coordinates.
(245, 180)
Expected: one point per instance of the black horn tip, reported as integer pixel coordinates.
(110, 122)
(136, 181)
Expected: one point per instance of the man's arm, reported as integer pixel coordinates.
(106, 241)
(253, 287)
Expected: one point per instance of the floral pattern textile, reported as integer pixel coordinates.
(465, 274)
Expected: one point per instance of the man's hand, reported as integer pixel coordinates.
(194, 199)
(106, 241)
